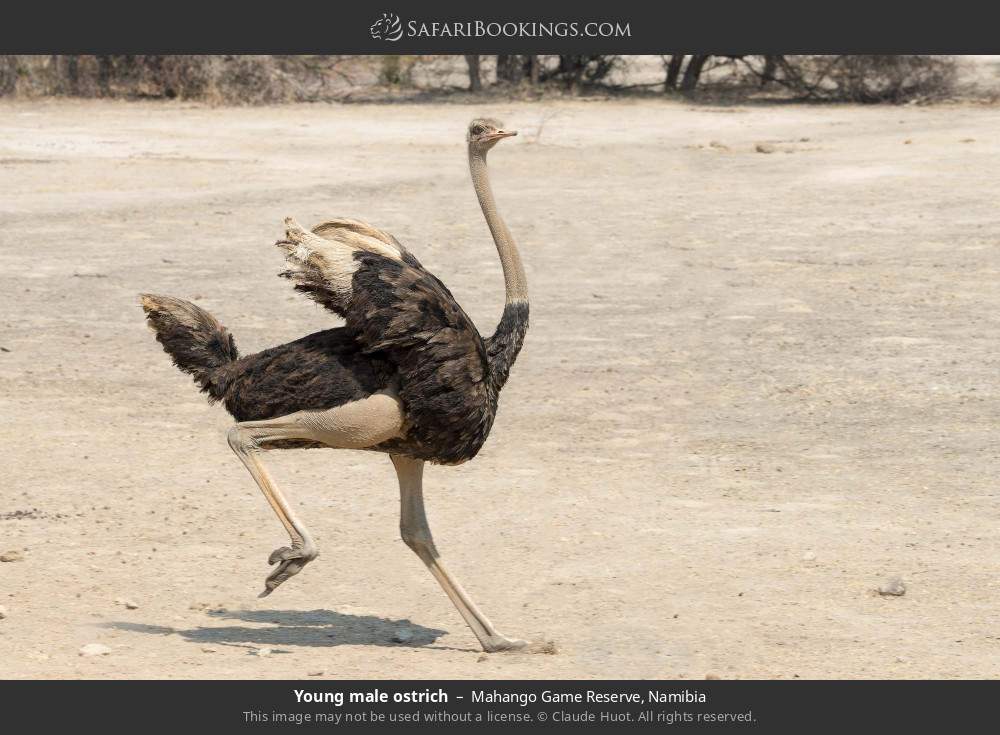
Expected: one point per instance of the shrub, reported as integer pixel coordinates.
(868, 78)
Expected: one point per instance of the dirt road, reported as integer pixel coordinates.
(756, 386)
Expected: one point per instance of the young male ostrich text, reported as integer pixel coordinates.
(407, 375)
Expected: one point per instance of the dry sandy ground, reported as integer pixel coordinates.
(756, 386)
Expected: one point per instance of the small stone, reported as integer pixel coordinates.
(719, 146)
(316, 673)
(94, 649)
(894, 587)
(3, 612)
(127, 603)
(208, 649)
(764, 148)
(711, 677)
(264, 652)
(907, 142)
(403, 635)
(482, 657)
(12, 555)
(809, 556)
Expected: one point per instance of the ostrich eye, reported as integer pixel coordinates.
(478, 129)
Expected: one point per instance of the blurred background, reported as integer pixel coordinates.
(264, 79)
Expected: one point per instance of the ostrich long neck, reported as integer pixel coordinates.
(510, 260)
(502, 348)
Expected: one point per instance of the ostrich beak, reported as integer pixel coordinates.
(503, 134)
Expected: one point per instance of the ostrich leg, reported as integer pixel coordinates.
(354, 425)
(246, 440)
(417, 535)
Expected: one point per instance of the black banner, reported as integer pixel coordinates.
(514, 26)
(249, 706)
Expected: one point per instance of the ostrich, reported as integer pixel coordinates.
(408, 375)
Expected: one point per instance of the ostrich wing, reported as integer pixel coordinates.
(342, 227)
(322, 261)
(396, 308)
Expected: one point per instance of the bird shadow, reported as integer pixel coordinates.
(320, 628)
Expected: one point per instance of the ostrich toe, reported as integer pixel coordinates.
(500, 642)
(290, 561)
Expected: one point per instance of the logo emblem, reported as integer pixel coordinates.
(387, 28)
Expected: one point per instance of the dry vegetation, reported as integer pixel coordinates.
(263, 79)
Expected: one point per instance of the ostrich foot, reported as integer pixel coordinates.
(498, 642)
(290, 561)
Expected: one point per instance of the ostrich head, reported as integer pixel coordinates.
(485, 132)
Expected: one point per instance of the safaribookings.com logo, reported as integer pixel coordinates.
(387, 28)
(390, 28)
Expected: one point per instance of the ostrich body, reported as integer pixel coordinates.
(408, 375)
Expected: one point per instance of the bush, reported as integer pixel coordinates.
(8, 74)
(868, 78)
(592, 69)
(397, 70)
(230, 79)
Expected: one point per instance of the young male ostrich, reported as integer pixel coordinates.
(407, 375)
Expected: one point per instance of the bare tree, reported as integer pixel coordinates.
(475, 82)
(575, 69)
(534, 68)
(693, 71)
(770, 67)
(510, 68)
(673, 71)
